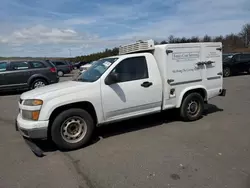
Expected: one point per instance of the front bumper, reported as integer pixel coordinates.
(32, 129)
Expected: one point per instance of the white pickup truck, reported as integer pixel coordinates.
(143, 79)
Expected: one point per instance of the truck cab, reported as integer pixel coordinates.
(143, 79)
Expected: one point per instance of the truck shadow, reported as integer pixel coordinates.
(130, 126)
(147, 122)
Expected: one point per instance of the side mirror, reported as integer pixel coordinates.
(112, 79)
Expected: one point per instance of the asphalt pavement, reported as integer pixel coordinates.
(152, 151)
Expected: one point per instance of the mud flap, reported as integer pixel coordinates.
(34, 148)
(223, 93)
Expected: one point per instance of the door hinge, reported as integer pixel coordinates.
(169, 51)
(170, 81)
(220, 73)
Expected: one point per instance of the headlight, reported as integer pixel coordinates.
(33, 102)
(30, 115)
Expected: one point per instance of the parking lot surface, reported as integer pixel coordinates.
(152, 151)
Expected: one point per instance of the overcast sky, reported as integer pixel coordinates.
(52, 27)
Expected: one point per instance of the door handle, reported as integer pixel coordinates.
(220, 73)
(205, 63)
(146, 84)
(170, 81)
(209, 62)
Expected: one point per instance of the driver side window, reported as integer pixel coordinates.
(134, 68)
(237, 58)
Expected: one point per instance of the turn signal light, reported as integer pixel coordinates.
(35, 115)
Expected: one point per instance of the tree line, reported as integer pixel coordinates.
(239, 42)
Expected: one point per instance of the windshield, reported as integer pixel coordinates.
(227, 57)
(96, 70)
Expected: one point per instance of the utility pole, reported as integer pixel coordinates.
(69, 52)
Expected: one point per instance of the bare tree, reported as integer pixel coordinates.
(207, 38)
(245, 34)
(164, 42)
(171, 39)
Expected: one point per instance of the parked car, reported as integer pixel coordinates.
(79, 64)
(136, 82)
(85, 67)
(224, 56)
(236, 63)
(62, 67)
(26, 74)
(70, 64)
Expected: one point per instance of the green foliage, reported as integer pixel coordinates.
(96, 56)
(231, 43)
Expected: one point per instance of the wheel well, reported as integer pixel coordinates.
(36, 78)
(201, 91)
(82, 105)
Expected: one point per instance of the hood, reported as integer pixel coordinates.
(87, 65)
(55, 90)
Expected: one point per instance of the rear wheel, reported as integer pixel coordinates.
(72, 129)
(60, 73)
(226, 72)
(192, 107)
(38, 83)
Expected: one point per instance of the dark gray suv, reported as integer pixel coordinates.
(26, 74)
(63, 67)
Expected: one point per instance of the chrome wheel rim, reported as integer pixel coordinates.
(73, 129)
(226, 72)
(193, 107)
(60, 73)
(39, 84)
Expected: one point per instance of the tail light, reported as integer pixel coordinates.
(53, 69)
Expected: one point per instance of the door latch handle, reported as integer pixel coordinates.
(205, 63)
(209, 62)
(200, 63)
(170, 81)
(146, 84)
(220, 73)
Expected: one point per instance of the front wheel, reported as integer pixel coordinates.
(72, 129)
(192, 107)
(38, 83)
(60, 73)
(226, 72)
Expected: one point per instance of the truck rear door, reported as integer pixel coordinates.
(212, 61)
(183, 70)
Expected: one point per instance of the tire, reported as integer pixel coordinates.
(60, 73)
(248, 70)
(63, 125)
(188, 110)
(38, 83)
(226, 72)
